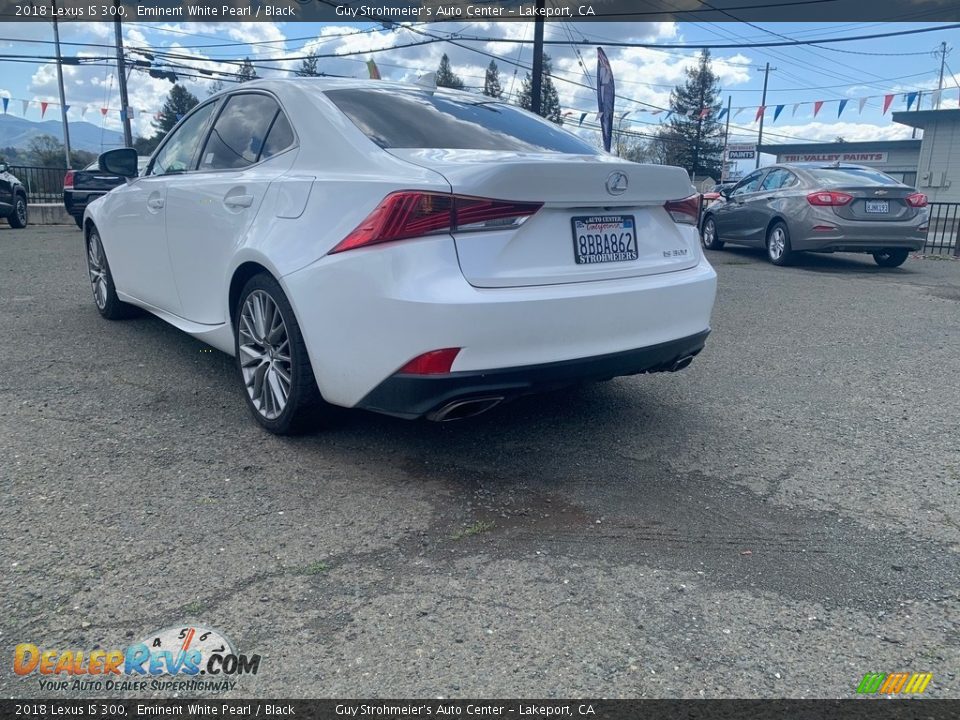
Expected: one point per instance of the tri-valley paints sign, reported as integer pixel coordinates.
(852, 157)
(743, 151)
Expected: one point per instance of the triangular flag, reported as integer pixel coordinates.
(25, 104)
(705, 112)
(625, 114)
(6, 101)
(843, 104)
(179, 117)
(911, 96)
(103, 111)
(760, 111)
(83, 113)
(66, 108)
(862, 102)
(777, 111)
(935, 98)
(667, 116)
(739, 110)
(123, 114)
(582, 116)
(816, 107)
(43, 108)
(656, 112)
(373, 70)
(721, 114)
(887, 99)
(793, 113)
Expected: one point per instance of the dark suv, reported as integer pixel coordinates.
(13, 199)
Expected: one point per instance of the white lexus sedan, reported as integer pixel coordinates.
(411, 251)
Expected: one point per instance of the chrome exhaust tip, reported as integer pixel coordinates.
(462, 409)
(681, 363)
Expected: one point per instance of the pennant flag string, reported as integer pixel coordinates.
(843, 104)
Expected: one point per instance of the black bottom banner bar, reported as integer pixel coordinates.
(867, 708)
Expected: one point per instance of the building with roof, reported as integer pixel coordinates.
(938, 167)
(897, 158)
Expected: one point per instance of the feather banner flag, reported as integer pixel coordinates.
(887, 99)
(816, 107)
(793, 113)
(373, 70)
(760, 111)
(843, 104)
(911, 96)
(777, 111)
(606, 96)
(6, 101)
(863, 101)
(43, 108)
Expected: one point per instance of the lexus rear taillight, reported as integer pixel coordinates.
(829, 198)
(68, 180)
(435, 362)
(411, 213)
(917, 200)
(686, 211)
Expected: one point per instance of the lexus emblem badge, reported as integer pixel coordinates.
(617, 183)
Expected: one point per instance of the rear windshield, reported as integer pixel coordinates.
(431, 119)
(839, 177)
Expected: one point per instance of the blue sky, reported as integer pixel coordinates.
(803, 75)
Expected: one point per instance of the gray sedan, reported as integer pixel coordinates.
(819, 208)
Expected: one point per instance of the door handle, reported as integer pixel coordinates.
(238, 201)
(155, 203)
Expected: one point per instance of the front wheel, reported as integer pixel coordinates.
(18, 218)
(272, 361)
(708, 235)
(895, 257)
(778, 244)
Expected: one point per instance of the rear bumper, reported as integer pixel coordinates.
(861, 236)
(413, 396)
(76, 202)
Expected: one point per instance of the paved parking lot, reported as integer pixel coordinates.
(777, 520)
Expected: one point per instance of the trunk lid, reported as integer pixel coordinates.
(873, 204)
(542, 250)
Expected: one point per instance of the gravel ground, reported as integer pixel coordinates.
(774, 521)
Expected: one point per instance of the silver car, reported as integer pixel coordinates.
(819, 208)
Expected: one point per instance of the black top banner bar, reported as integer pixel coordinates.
(411, 709)
(406, 11)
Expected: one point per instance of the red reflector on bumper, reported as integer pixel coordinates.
(435, 362)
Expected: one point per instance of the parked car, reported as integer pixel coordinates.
(408, 251)
(713, 194)
(13, 199)
(81, 187)
(819, 208)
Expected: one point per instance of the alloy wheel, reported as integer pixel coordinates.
(265, 361)
(22, 212)
(97, 267)
(777, 244)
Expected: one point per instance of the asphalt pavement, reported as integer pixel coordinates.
(774, 521)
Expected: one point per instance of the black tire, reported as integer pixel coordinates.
(895, 257)
(304, 409)
(79, 221)
(778, 244)
(18, 218)
(708, 234)
(101, 281)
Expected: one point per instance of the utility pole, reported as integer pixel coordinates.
(763, 104)
(122, 81)
(536, 82)
(943, 61)
(63, 101)
(726, 141)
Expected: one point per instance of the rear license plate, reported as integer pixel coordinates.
(604, 238)
(878, 206)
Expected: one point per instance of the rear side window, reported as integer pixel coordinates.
(434, 119)
(279, 138)
(239, 132)
(840, 177)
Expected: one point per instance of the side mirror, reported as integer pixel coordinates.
(725, 191)
(122, 162)
(3, 167)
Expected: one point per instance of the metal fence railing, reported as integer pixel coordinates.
(944, 229)
(43, 184)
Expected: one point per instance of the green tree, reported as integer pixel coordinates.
(215, 87)
(179, 102)
(491, 81)
(247, 71)
(146, 146)
(691, 140)
(549, 99)
(308, 66)
(47, 151)
(446, 77)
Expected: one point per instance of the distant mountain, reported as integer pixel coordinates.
(16, 132)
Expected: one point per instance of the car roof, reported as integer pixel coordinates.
(825, 166)
(323, 84)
